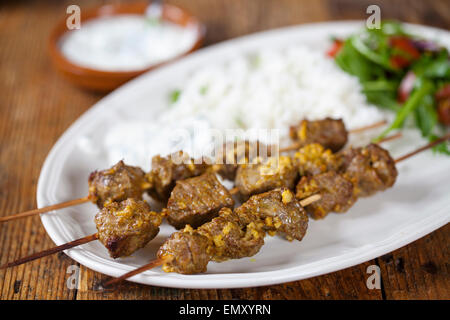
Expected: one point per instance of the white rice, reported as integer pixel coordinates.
(272, 90)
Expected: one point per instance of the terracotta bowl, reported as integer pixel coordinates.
(100, 80)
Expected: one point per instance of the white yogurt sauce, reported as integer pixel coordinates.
(125, 42)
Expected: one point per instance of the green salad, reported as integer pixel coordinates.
(403, 73)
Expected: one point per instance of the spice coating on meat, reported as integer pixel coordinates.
(371, 170)
(232, 239)
(280, 212)
(188, 251)
(221, 239)
(261, 177)
(237, 153)
(313, 159)
(197, 200)
(346, 156)
(336, 193)
(167, 170)
(330, 133)
(127, 226)
(118, 183)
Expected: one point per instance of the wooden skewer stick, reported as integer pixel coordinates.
(307, 201)
(152, 264)
(389, 138)
(370, 126)
(158, 262)
(425, 147)
(234, 190)
(51, 251)
(57, 206)
(62, 247)
(44, 209)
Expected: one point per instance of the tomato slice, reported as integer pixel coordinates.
(408, 51)
(405, 45)
(399, 62)
(443, 111)
(337, 45)
(406, 86)
(444, 92)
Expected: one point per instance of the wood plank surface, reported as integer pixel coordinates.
(37, 106)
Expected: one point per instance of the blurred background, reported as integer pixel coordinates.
(26, 25)
(227, 19)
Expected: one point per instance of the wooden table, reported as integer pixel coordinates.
(37, 105)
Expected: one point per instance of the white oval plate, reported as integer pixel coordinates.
(418, 203)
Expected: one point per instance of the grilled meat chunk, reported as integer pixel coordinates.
(237, 153)
(188, 251)
(167, 170)
(127, 226)
(346, 156)
(371, 170)
(336, 193)
(261, 177)
(361, 172)
(280, 212)
(197, 200)
(330, 133)
(313, 159)
(118, 183)
(230, 238)
(221, 239)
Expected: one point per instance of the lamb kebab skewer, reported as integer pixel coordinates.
(139, 182)
(122, 181)
(340, 177)
(129, 240)
(126, 226)
(310, 160)
(234, 234)
(187, 252)
(243, 152)
(363, 172)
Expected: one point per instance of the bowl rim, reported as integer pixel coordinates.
(60, 29)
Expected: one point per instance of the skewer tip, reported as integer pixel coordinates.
(425, 147)
(152, 264)
(370, 126)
